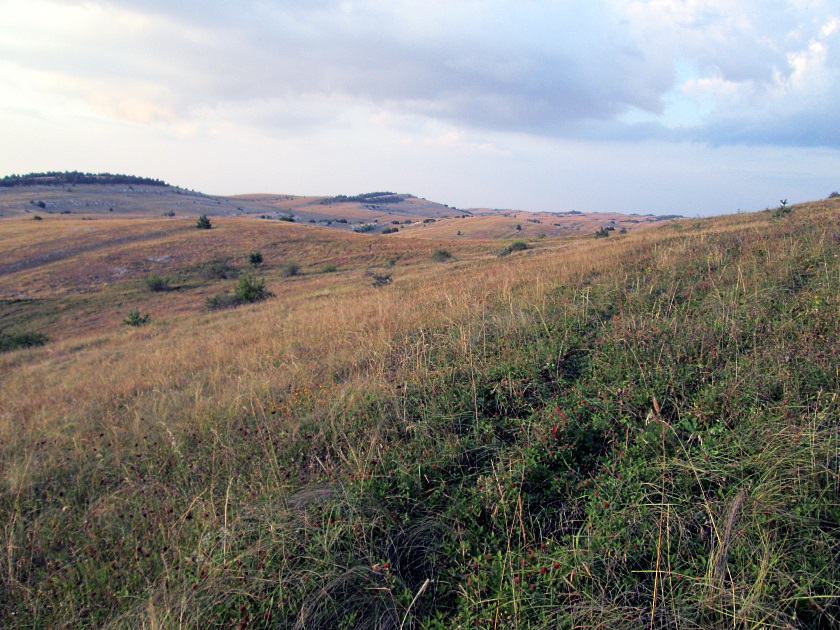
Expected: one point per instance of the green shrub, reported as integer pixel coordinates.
(783, 209)
(203, 223)
(516, 246)
(381, 279)
(442, 255)
(157, 283)
(329, 268)
(286, 217)
(246, 290)
(136, 319)
(602, 233)
(218, 269)
(256, 259)
(390, 230)
(13, 341)
(250, 289)
(37, 217)
(364, 227)
(290, 269)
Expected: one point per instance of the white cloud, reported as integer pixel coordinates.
(374, 82)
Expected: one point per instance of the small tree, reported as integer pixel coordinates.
(136, 319)
(255, 259)
(203, 223)
(250, 289)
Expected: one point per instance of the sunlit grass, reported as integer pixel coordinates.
(638, 431)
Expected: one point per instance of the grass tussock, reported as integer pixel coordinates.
(634, 432)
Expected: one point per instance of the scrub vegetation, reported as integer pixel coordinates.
(633, 432)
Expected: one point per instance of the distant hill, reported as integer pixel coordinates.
(71, 178)
(106, 194)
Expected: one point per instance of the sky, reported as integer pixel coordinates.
(692, 107)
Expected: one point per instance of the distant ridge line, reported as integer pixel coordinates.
(72, 178)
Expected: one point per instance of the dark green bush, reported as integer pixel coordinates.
(256, 259)
(250, 289)
(246, 290)
(442, 255)
(157, 283)
(381, 279)
(290, 269)
(13, 341)
(203, 223)
(218, 269)
(136, 319)
(516, 246)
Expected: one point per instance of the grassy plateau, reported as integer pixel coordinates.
(640, 431)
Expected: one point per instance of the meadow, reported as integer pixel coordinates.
(638, 431)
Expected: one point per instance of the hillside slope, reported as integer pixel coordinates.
(119, 196)
(635, 431)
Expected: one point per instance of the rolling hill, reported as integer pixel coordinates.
(633, 431)
(120, 196)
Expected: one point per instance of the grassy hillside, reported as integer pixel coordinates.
(634, 431)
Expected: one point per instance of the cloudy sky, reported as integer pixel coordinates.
(691, 107)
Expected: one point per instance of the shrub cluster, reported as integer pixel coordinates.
(12, 341)
(516, 246)
(246, 289)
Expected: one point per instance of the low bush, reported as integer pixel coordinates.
(246, 290)
(13, 341)
(381, 279)
(157, 283)
(290, 269)
(218, 269)
(442, 255)
(390, 230)
(255, 258)
(329, 268)
(203, 223)
(250, 289)
(516, 246)
(136, 319)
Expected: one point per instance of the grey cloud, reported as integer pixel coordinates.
(555, 68)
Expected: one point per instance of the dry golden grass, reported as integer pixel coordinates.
(195, 361)
(317, 367)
